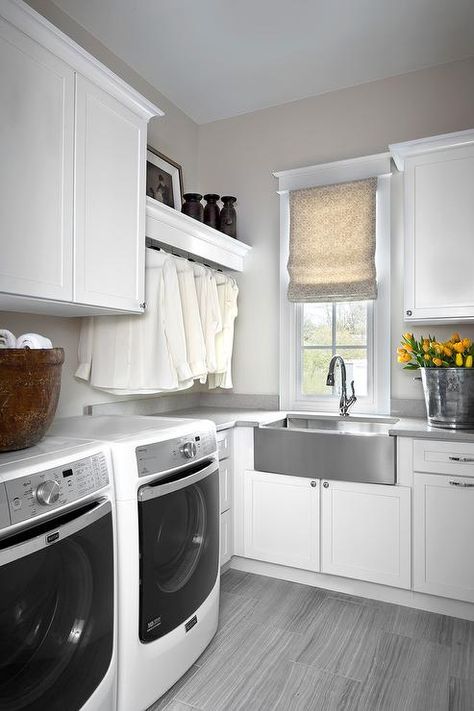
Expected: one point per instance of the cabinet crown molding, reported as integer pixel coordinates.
(50, 37)
(401, 151)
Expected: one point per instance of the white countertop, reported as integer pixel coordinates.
(226, 418)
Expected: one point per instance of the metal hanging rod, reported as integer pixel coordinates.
(161, 246)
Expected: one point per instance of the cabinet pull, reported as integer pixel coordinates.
(326, 484)
(314, 483)
(461, 459)
(463, 484)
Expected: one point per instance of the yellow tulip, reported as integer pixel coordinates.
(427, 356)
(437, 361)
(459, 347)
(408, 336)
(426, 346)
(408, 347)
(467, 343)
(447, 351)
(455, 337)
(469, 361)
(458, 359)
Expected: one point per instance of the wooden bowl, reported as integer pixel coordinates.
(30, 383)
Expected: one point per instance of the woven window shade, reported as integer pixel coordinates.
(332, 242)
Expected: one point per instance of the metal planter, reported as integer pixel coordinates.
(449, 397)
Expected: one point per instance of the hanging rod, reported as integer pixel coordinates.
(162, 246)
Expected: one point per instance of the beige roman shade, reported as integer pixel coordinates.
(332, 242)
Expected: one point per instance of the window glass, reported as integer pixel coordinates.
(327, 329)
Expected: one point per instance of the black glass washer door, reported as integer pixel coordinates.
(56, 615)
(179, 546)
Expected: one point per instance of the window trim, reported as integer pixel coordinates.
(379, 335)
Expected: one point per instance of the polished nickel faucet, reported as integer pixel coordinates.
(345, 402)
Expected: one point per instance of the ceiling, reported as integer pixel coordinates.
(219, 58)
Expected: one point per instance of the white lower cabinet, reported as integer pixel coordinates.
(365, 532)
(225, 550)
(281, 519)
(444, 535)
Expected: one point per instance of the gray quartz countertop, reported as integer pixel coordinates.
(226, 418)
(419, 428)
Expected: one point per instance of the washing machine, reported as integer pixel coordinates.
(167, 497)
(57, 578)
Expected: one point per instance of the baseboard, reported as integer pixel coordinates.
(360, 588)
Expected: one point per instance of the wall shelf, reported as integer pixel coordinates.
(175, 230)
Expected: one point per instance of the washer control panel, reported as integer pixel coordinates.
(32, 495)
(163, 456)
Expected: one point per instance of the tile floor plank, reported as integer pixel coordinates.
(165, 700)
(462, 649)
(461, 694)
(288, 605)
(342, 640)
(309, 688)
(407, 675)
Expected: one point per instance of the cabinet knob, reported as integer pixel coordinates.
(409, 313)
(326, 484)
(143, 305)
(314, 483)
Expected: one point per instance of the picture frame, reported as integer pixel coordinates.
(164, 179)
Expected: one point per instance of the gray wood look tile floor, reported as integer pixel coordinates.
(282, 646)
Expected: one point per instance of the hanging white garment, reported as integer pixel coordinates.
(228, 292)
(209, 310)
(139, 354)
(195, 346)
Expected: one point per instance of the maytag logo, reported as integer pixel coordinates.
(190, 623)
(52, 537)
(152, 624)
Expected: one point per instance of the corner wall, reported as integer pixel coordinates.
(237, 157)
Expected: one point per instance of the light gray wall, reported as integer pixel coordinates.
(237, 156)
(175, 135)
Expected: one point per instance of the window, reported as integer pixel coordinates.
(327, 329)
(312, 332)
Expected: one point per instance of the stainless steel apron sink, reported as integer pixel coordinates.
(328, 447)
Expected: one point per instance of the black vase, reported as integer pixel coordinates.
(192, 206)
(228, 218)
(211, 210)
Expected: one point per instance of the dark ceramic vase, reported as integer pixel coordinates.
(211, 210)
(192, 206)
(228, 218)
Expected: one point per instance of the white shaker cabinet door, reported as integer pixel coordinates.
(225, 537)
(439, 244)
(109, 201)
(365, 532)
(36, 169)
(281, 522)
(444, 536)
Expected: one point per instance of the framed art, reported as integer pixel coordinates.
(164, 179)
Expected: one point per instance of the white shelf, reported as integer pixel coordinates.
(175, 230)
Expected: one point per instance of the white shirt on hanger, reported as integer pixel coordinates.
(195, 346)
(228, 292)
(209, 310)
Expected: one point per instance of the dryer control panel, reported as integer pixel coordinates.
(29, 496)
(173, 453)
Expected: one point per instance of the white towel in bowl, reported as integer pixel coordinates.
(33, 340)
(7, 339)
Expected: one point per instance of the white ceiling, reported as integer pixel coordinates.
(220, 58)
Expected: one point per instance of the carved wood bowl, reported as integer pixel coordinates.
(30, 383)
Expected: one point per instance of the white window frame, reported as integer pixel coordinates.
(378, 322)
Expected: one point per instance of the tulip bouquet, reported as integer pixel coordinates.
(427, 352)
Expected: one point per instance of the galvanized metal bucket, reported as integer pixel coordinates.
(449, 397)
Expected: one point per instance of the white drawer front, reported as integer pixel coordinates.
(225, 485)
(435, 457)
(224, 444)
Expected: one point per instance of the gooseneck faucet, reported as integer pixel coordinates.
(345, 402)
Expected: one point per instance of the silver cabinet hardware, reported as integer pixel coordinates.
(326, 484)
(462, 484)
(143, 305)
(461, 459)
(314, 483)
(409, 313)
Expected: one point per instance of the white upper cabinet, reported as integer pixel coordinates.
(109, 200)
(439, 219)
(72, 175)
(36, 168)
